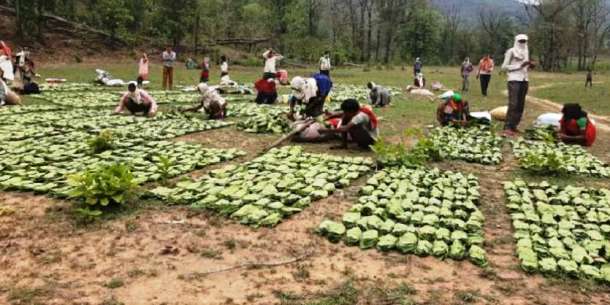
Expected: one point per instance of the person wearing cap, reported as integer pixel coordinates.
(378, 95)
(214, 105)
(356, 124)
(517, 64)
(311, 92)
(575, 127)
(453, 111)
(417, 66)
(136, 101)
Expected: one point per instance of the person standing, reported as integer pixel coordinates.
(517, 65)
(465, 70)
(325, 64)
(205, 70)
(589, 81)
(143, 67)
(417, 66)
(486, 67)
(271, 59)
(169, 59)
(224, 66)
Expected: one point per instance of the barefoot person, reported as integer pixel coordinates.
(137, 101)
(214, 105)
(357, 124)
(517, 65)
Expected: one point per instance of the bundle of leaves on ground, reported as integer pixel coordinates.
(74, 87)
(266, 120)
(476, 144)
(558, 158)
(423, 212)
(561, 230)
(267, 189)
(361, 93)
(28, 108)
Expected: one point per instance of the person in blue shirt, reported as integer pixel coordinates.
(310, 92)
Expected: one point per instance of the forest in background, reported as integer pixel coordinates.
(563, 33)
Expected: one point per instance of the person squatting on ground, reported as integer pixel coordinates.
(465, 71)
(325, 65)
(575, 127)
(271, 59)
(136, 101)
(266, 92)
(356, 124)
(378, 95)
(454, 111)
(517, 65)
(214, 105)
(169, 60)
(486, 68)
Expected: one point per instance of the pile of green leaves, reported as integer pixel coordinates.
(558, 158)
(477, 144)
(273, 120)
(269, 188)
(561, 230)
(360, 93)
(396, 154)
(28, 108)
(423, 212)
(546, 134)
(102, 142)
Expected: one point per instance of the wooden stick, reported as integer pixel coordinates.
(257, 264)
(289, 135)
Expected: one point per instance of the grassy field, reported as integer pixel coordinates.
(48, 258)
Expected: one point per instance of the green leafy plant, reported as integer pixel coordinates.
(104, 186)
(102, 142)
(396, 154)
(165, 165)
(546, 134)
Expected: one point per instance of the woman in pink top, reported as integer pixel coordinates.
(143, 67)
(137, 101)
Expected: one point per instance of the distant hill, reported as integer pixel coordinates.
(469, 9)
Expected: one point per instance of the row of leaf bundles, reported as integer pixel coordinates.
(276, 185)
(572, 159)
(266, 119)
(425, 212)
(477, 144)
(561, 230)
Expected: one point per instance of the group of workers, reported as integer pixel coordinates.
(354, 122)
(17, 75)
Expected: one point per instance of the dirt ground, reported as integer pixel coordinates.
(171, 255)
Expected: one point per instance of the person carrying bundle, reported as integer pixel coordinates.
(378, 95)
(266, 92)
(575, 127)
(453, 111)
(214, 105)
(271, 59)
(356, 124)
(137, 101)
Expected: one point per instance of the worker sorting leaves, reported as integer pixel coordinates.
(214, 105)
(356, 124)
(453, 111)
(266, 92)
(378, 95)
(137, 101)
(576, 127)
(310, 92)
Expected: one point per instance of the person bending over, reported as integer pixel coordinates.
(357, 124)
(136, 101)
(453, 111)
(576, 127)
(214, 105)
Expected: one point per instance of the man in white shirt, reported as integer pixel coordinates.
(169, 58)
(325, 64)
(517, 65)
(271, 59)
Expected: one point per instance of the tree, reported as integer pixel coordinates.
(113, 15)
(421, 31)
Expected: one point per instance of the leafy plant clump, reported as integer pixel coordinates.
(422, 212)
(102, 142)
(396, 154)
(108, 185)
(561, 230)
